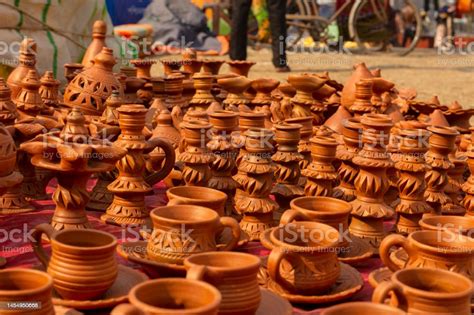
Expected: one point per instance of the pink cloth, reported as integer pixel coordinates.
(15, 246)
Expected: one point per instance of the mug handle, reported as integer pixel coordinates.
(387, 243)
(293, 215)
(196, 272)
(273, 264)
(38, 232)
(126, 309)
(382, 291)
(170, 157)
(235, 227)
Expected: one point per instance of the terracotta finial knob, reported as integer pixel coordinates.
(105, 59)
(99, 29)
(75, 129)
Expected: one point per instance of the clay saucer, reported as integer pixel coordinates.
(379, 275)
(358, 251)
(399, 257)
(136, 252)
(127, 278)
(349, 283)
(272, 303)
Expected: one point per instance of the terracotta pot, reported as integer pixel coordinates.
(225, 154)
(255, 178)
(143, 67)
(306, 132)
(132, 183)
(235, 86)
(330, 211)
(212, 65)
(198, 196)
(26, 286)
(441, 144)
(348, 92)
(457, 224)
(432, 249)
(320, 173)
(233, 274)
(363, 94)
(411, 184)
(196, 158)
(361, 308)
(303, 258)
(183, 230)
(71, 70)
(303, 100)
(287, 160)
(165, 129)
(427, 291)
(82, 262)
(240, 67)
(171, 296)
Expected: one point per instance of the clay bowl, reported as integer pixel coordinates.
(175, 296)
(212, 65)
(240, 67)
(287, 89)
(457, 224)
(324, 92)
(235, 85)
(362, 308)
(265, 86)
(306, 83)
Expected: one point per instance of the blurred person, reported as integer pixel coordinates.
(238, 34)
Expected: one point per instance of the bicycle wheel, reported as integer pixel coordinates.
(383, 25)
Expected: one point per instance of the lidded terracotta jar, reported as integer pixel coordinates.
(8, 112)
(90, 88)
(165, 129)
(99, 29)
(27, 62)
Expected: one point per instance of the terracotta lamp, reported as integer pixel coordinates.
(74, 157)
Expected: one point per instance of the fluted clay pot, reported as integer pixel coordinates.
(240, 67)
(82, 262)
(427, 291)
(171, 296)
(27, 286)
(232, 274)
(347, 171)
